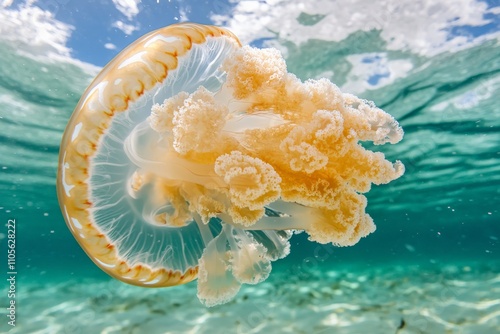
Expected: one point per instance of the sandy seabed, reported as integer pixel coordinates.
(392, 299)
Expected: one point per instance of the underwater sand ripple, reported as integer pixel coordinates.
(400, 300)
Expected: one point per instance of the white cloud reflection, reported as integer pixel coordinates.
(424, 27)
(126, 28)
(128, 8)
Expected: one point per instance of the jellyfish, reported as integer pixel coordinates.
(192, 156)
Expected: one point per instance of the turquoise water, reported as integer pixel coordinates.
(443, 211)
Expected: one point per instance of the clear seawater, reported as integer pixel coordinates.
(437, 225)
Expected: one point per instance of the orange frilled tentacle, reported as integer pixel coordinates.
(120, 83)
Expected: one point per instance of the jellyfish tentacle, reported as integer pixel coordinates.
(216, 283)
(250, 263)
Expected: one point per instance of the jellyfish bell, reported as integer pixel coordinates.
(190, 156)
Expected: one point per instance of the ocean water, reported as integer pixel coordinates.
(432, 266)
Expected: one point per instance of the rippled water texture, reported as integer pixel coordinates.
(443, 213)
